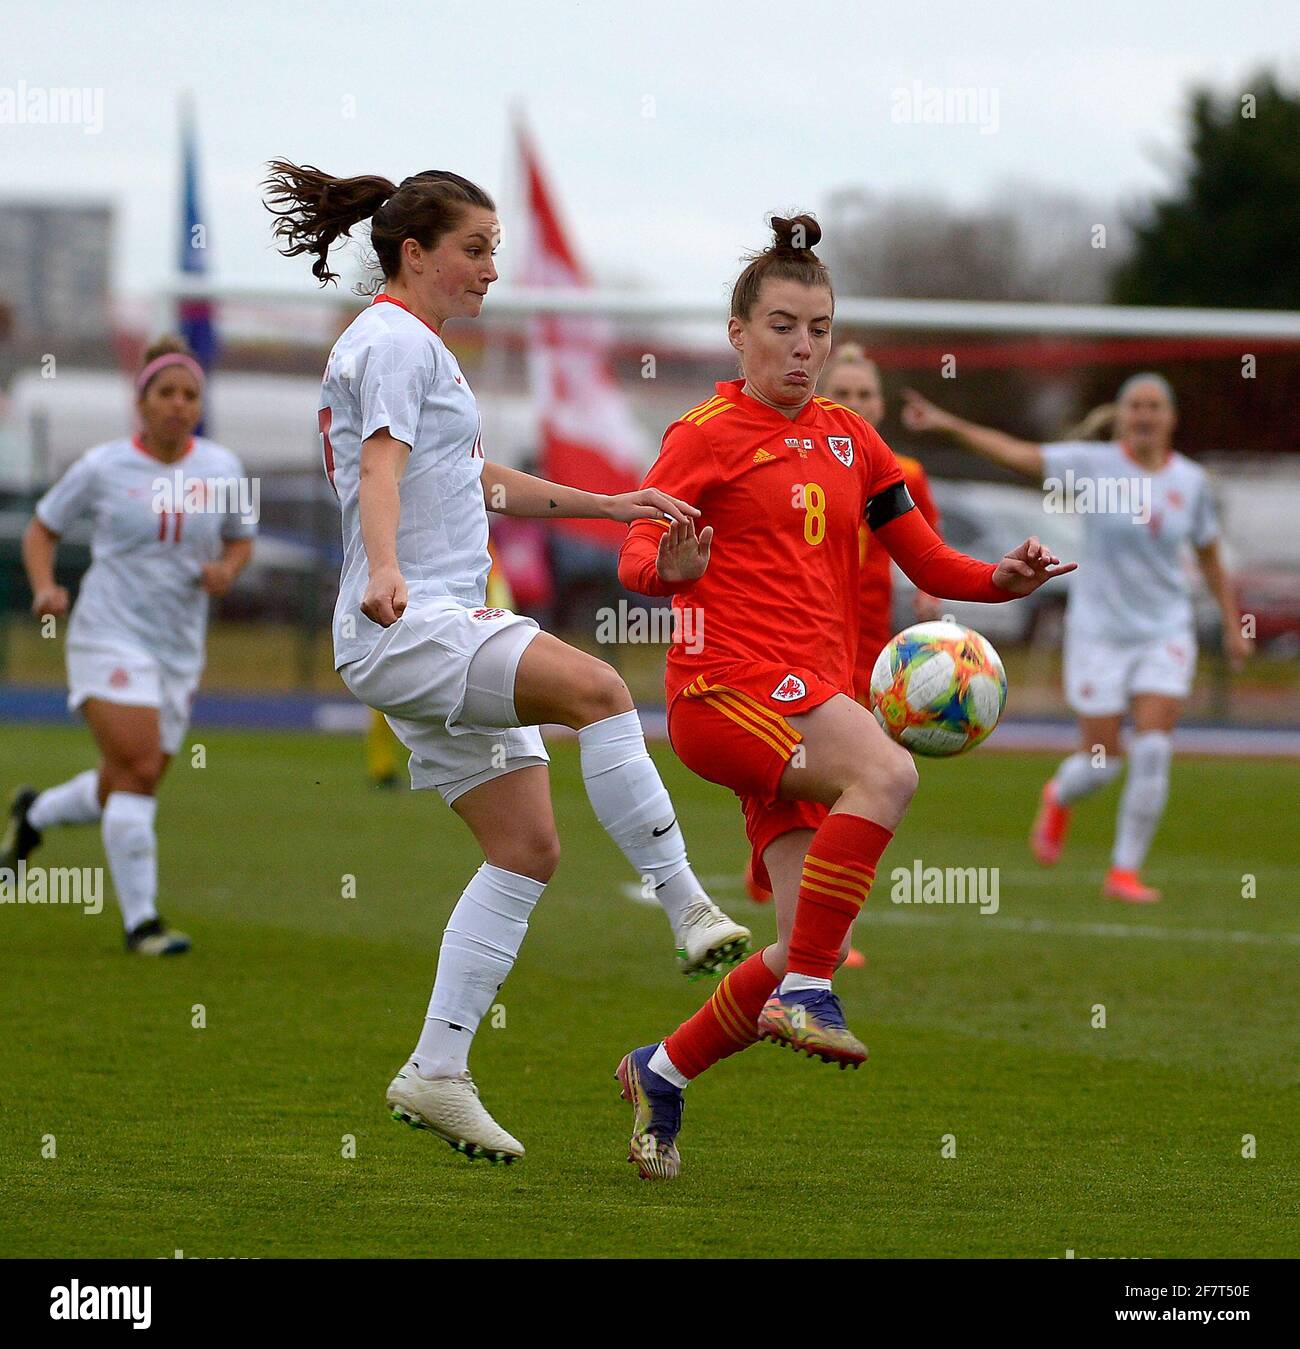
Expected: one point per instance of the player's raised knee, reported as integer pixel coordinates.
(887, 772)
(900, 774)
(601, 694)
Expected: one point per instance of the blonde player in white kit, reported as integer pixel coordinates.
(463, 685)
(1130, 642)
(171, 527)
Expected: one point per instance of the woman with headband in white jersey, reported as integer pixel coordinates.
(173, 524)
(465, 685)
(1130, 643)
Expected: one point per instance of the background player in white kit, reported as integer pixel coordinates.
(465, 686)
(135, 641)
(1130, 642)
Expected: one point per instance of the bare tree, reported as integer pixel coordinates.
(1027, 243)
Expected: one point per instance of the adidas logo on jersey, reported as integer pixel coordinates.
(763, 457)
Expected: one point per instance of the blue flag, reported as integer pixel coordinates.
(196, 318)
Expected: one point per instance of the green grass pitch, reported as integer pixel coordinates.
(229, 1140)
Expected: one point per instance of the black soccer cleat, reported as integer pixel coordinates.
(155, 938)
(20, 837)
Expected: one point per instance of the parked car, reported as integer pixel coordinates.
(1259, 509)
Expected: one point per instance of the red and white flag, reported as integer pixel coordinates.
(587, 435)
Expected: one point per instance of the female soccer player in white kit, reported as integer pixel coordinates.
(172, 526)
(1130, 642)
(463, 685)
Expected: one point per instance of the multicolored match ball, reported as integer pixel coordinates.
(938, 688)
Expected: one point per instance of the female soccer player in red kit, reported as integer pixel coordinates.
(764, 703)
(852, 380)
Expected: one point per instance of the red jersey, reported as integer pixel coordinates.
(877, 578)
(786, 498)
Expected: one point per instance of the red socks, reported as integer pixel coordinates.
(837, 876)
(725, 1024)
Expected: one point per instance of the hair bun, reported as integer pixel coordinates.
(800, 235)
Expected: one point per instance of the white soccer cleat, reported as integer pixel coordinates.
(450, 1108)
(708, 942)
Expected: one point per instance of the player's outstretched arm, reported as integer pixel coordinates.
(507, 491)
(934, 567)
(1024, 569)
(1022, 456)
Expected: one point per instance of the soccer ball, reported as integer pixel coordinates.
(938, 688)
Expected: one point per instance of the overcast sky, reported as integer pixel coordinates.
(669, 128)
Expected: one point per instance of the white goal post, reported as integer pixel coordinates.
(1080, 320)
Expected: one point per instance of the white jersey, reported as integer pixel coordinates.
(390, 369)
(155, 525)
(1132, 583)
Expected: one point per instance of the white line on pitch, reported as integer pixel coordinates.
(1009, 923)
(721, 885)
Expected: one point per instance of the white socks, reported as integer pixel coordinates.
(791, 982)
(1079, 776)
(72, 802)
(1143, 799)
(660, 1063)
(132, 848)
(479, 946)
(634, 809)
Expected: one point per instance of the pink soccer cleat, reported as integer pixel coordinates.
(1047, 837)
(1126, 887)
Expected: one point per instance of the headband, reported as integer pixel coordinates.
(161, 363)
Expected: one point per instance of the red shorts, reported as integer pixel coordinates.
(730, 727)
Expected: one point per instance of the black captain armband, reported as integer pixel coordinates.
(889, 505)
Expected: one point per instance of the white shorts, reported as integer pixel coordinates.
(1102, 677)
(121, 673)
(459, 724)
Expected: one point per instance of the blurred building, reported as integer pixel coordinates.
(54, 271)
